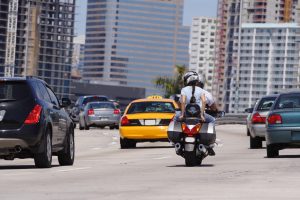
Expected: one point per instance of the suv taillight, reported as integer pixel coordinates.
(274, 119)
(257, 119)
(91, 112)
(124, 121)
(117, 111)
(34, 115)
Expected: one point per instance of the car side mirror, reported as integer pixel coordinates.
(249, 110)
(65, 102)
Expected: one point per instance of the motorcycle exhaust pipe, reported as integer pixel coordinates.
(202, 148)
(177, 147)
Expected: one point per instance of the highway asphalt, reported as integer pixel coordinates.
(153, 171)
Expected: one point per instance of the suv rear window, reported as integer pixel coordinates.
(265, 104)
(151, 107)
(101, 105)
(93, 99)
(13, 90)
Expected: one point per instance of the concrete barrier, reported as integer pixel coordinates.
(230, 118)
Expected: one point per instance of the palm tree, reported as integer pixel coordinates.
(171, 85)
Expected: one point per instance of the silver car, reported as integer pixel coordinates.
(256, 120)
(100, 114)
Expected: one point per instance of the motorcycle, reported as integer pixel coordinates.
(192, 138)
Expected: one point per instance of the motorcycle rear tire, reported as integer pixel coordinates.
(191, 159)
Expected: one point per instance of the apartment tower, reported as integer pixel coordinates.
(36, 40)
(269, 61)
(131, 42)
(202, 48)
(231, 15)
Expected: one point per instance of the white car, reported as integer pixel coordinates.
(256, 120)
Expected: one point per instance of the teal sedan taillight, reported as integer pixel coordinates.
(274, 119)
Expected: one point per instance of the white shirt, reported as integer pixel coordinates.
(209, 98)
(187, 91)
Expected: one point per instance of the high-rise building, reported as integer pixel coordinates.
(269, 61)
(202, 48)
(131, 42)
(263, 11)
(230, 17)
(220, 52)
(36, 40)
(78, 53)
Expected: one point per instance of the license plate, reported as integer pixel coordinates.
(103, 118)
(190, 139)
(150, 122)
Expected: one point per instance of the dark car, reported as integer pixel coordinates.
(81, 102)
(33, 124)
(283, 124)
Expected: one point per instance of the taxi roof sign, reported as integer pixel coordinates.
(155, 97)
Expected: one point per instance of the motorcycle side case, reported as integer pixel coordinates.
(207, 134)
(175, 131)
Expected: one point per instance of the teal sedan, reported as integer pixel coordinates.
(283, 124)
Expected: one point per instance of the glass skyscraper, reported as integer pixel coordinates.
(131, 42)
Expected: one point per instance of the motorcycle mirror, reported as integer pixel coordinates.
(221, 114)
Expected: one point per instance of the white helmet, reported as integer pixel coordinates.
(187, 75)
(190, 76)
(201, 81)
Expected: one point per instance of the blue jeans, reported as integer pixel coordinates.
(209, 118)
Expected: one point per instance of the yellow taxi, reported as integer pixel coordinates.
(146, 120)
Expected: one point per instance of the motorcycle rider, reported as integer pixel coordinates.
(191, 82)
(201, 97)
(210, 102)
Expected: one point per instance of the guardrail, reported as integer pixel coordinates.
(230, 118)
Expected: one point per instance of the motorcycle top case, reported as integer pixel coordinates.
(207, 134)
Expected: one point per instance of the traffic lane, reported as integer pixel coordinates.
(149, 172)
(86, 142)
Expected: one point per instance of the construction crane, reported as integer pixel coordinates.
(287, 11)
(10, 53)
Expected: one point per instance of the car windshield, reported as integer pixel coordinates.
(94, 99)
(13, 90)
(151, 107)
(101, 105)
(288, 101)
(265, 104)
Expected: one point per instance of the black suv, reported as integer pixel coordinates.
(33, 123)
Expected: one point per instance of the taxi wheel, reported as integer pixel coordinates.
(127, 144)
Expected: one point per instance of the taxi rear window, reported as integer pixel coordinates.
(151, 107)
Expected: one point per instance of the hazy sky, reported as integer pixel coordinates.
(192, 8)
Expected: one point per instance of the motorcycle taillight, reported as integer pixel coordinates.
(190, 129)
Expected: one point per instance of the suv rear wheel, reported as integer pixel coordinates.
(66, 156)
(255, 143)
(44, 159)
